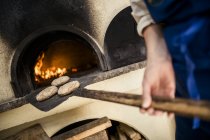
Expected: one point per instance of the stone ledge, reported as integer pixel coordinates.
(18, 102)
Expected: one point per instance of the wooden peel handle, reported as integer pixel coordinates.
(182, 107)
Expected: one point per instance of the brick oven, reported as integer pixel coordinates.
(42, 40)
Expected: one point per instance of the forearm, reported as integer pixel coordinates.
(155, 42)
(159, 75)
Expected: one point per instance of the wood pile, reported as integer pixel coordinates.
(100, 129)
(124, 132)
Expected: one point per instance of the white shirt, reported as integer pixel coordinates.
(141, 15)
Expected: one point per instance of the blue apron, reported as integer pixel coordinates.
(186, 28)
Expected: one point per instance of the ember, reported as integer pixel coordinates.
(43, 74)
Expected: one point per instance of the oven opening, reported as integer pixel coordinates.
(41, 58)
(72, 57)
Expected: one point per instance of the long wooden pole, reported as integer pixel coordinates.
(182, 107)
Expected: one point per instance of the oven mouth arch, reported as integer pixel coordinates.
(19, 88)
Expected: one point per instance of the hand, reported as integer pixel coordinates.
(159, 77)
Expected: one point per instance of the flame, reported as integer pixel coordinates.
(74, 70)
(47, 73)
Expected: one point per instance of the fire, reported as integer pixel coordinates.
(74, 70)
(47, 73)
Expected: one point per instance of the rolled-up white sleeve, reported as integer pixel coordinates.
(141, 15)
